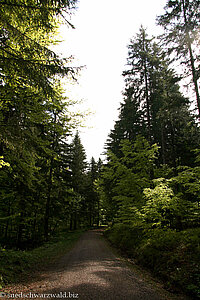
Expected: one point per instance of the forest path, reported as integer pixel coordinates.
(91, 271)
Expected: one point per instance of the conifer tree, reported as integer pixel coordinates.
(91, 193)
(153, 105)
(78, 167)
(34, 119)
(181, 22)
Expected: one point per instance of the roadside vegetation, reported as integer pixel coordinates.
(46, 183)
(147, 189)
(20, 265)
(150, 184)
(170, 255)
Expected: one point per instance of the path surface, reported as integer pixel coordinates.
(90, 271)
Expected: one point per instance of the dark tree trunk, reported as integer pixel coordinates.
(48, 202)
(163, 146)
(98, 212)
(192, 62)
(71, 222)
(147, 93)
(19, 231)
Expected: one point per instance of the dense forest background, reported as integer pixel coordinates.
(148, 188)
(43, 174)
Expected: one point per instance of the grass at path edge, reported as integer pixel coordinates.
(16, 265)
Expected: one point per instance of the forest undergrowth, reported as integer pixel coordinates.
(170, 255)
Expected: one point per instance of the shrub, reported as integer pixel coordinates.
(173, 256)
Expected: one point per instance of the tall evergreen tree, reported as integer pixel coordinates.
(137, 77)
(91, 193)
(153, 105)
(78, 163)
(181, 22)
(33, 117)
(78, 167)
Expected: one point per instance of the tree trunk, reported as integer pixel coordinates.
(19, 231)
(147, 93)
(47, 208)
(98, 207)
(174, 154)
(34, 227)
(163, 145)
(7, 222)
(71, 223)
(75, 220)
(192, 63)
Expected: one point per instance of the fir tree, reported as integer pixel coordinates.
(181, 24)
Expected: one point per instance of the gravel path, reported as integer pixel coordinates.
(91, 271)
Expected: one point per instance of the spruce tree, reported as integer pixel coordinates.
(181, 22)
(34, 120)
(78, 167)
(153, 105)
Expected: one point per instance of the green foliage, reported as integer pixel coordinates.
(163, 232)
(125, 237)
(189, 180)
(15, 264)
(3, 163)
(150, 185)
(123, 179)
(78, 163)
(159, 204)
(181, 36)
(92, 205)
(153, 105)
(171, 255)
(35, 121)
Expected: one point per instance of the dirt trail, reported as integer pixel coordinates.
(91, 271)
